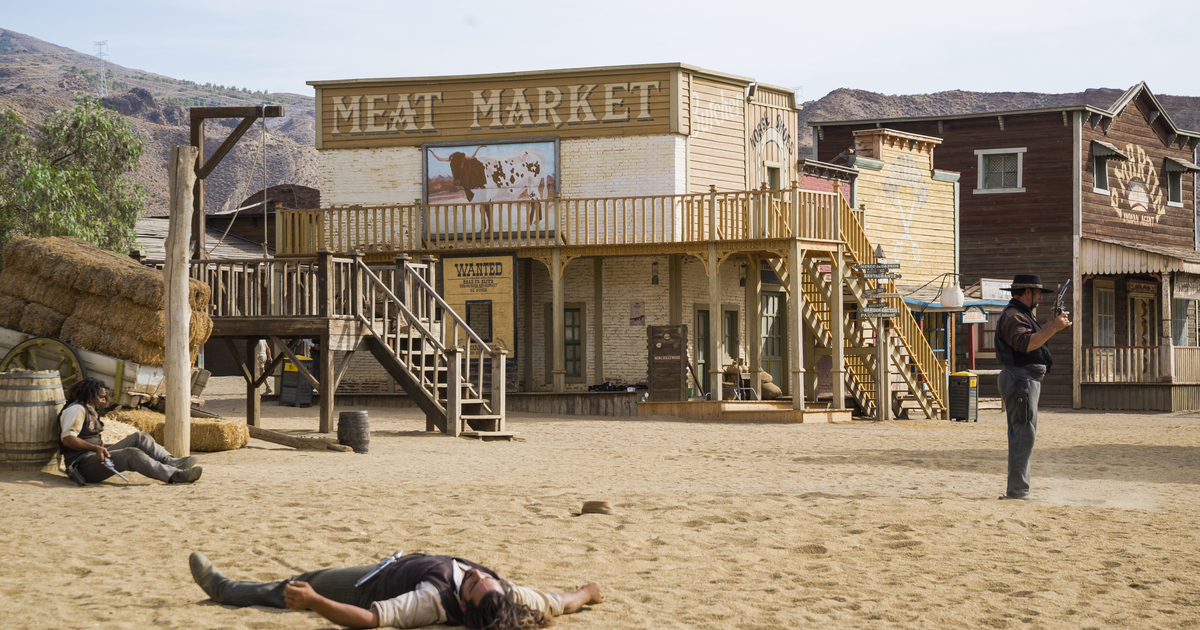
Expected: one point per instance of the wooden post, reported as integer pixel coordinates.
(1166, 331)
(197, 221)
(754, 323)
(795, 324)
(253, 401)
(558, 369)
(400, 281)
(454, 392)
(325, 309)
(356, 288)
(883, 388)
(499, 385)
(176, 367)
(837, 318)
(716, 340)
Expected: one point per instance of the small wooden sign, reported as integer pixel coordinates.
(878, 312)
(871, 275)
(667, 351)
(974, 315)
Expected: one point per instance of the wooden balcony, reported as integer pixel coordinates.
(610, 222)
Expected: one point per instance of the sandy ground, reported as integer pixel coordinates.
(854, 525)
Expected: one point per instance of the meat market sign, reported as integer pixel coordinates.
(376, 113)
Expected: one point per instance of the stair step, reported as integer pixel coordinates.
(489, 436)
(487, 416)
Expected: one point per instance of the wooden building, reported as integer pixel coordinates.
(568, 210)
(1104, 197)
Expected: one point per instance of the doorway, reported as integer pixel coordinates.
(772, 326)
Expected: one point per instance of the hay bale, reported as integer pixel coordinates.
(151, 293)
(40, 321)
(116, 431)
(140, 419)
(12, 309)
(208, 435)
(35, 288)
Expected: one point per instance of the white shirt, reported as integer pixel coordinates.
(72, 420)
(423, 606)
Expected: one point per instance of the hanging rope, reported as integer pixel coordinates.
(260, 150)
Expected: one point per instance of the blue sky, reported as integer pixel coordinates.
(889, 47)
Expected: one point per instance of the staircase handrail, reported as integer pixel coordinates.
(413, 320)
(445, 307)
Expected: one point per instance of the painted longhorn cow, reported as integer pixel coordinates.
(499, 178)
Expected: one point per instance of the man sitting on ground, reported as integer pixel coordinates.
(85, 452)
(413, 591)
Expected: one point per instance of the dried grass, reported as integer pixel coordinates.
(116, 431)
(40, 321)
(207, 434)
(34, 288)
(141, 419)
(12, 309)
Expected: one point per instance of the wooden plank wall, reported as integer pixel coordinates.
(1142, 397)
(717, 147)
(1145, 144)
(772, 136)
(908, 212)
(1005, 234)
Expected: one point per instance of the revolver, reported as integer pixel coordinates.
(109, 465)
(1058, 304)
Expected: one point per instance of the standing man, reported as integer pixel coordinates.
(1021, 347)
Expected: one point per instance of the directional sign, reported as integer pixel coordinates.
(880, 276)
(877, 266)
(880, 293)
(878, 312)
(879, 304)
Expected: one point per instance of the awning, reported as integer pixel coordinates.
(1176, 165)
(1108, 150)
(1103, 257)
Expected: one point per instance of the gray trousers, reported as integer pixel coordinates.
(138, 452)
(1021, 387)
(335, 584)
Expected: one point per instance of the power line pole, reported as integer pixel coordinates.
(102, 53)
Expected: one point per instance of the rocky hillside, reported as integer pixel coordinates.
(845, 104)
(38, 77)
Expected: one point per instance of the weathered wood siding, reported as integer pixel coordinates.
(771, 138)
(907, 211)
(717, 146)
(1136, 207)
(1007, 233)
(1142, 397)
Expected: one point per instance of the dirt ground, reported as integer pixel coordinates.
(893, 525)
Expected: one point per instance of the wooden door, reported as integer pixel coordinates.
(771, 344)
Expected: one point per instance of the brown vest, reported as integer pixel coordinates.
(93, 426)
(409, 571)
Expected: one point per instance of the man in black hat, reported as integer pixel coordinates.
(1021, 347)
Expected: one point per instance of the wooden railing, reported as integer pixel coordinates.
(315, 286)
(1124, 364)
(1187, 364)
(629, 220)
(930, 369)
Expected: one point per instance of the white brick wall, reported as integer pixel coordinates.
(370, 176)
(634, 165)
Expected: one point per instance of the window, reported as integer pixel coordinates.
(574, 348)
(1183, 312)
(773, 177)
(987, 336)
(702, 348)
(1104, 303)
(1100, 169)
(933, 325)
(1000, 171)
(1175, 189)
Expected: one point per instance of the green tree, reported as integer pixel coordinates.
(74, 178)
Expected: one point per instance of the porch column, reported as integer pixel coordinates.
(1166, 344)
(557, 334)
(675, 284)
(598, 317)
(795, 325)
(526, 289)
(253, 401)
(754, 323)
(837, 325)
(715, 318)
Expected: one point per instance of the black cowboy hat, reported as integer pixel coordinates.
(1024, 281)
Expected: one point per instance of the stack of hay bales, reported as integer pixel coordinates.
(93, 299)
(208, 434)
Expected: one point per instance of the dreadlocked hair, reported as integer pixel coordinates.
(500, 611)
(85, 391)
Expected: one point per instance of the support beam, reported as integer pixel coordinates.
(795, 324)
(558, 370)
(328, 387)
(598, 317)
(715, 318)
(253, 400)
(675, 284)
(527, 301)
(754, 323)
(837, 327)
(177, 367)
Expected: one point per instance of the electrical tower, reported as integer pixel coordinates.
(102, 53)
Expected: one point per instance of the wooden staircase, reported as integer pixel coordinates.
(440, 364)
(909, 352)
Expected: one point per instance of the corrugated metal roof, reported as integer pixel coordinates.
(1107, 149)
(1176, 165)
(152, 239)
(1102, 256)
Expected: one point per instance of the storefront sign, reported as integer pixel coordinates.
(483, 291)
(992, 289)
(1133, 286)
(1187, 287)
(974, 315)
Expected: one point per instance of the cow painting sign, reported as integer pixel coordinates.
(509, 186)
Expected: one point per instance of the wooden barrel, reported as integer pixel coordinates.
(29, 405)
(354, 430)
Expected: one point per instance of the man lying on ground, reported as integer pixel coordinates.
(413, 591)
(85, 453)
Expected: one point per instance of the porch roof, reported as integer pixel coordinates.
(1103, 256)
